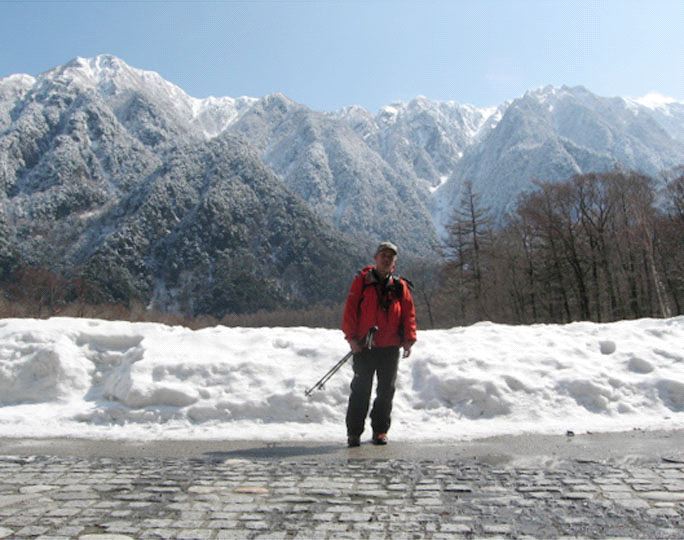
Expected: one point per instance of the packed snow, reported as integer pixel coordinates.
(100, 379)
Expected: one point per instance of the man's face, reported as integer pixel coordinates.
(385, 261)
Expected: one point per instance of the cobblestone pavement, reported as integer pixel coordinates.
(219, 496)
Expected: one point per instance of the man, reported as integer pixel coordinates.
(377, 298)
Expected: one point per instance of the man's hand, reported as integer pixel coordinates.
(355, 346)
(407, 350)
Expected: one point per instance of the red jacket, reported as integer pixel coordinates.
(396, 324)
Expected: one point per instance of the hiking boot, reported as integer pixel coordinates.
(353, 441)
(380, 438)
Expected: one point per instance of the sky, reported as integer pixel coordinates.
(330, 54)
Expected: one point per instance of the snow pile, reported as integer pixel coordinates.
(79, 377)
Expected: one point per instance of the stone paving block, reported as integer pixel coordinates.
(428, 487)
(615, 495)
(540, 495)
(429, 502)
(255, 525)
(647, 487)
(609, 488)
(355, 516)
(156, 523)
(585, 487)
(5, 532)
(106, 504)
(323, 516)
(326, 527)
(188, 523)
(340, 509)
(457, 528)
(38, 488)
(18, 521)
(69, 530)
(662, 512)
(666, 496)
(497, 529)
(276, 535)
(372, 493)
(64, 512)
(633, 503)
(195, 534)
(427, 494)
(123, 528)
(192, 516)
(31, 530)
(231, 534)
(5, 512)
(158, 533)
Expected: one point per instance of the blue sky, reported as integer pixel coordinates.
(327, 54)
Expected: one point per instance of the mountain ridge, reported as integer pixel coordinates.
(82, 142)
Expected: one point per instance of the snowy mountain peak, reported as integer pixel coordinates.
(354, 114)
(389, 113)
(421, 102)
(277, 103)
(111, 77)
(12, 89)
(353, 110)
(554, 93)
(17, 80)
(279, 99)
(656, 100)
(89, 70)
(99, 65)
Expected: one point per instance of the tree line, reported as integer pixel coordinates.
(596, 247)
(37, 292)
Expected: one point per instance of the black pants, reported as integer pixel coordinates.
(384, 361)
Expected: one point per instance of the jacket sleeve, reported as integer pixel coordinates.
(408, 311)
(350, 317)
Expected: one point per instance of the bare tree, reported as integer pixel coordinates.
(469, 237)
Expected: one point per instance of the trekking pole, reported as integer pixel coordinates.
(368, 344)
(327, 376)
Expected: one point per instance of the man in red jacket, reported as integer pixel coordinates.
(377, 298)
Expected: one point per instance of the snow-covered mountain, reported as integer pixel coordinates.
(12, 89)
(422, 138)
(99, 157)
(668, 112)
(341, 177)
(121, 84)
(553, 133)
(100, 176)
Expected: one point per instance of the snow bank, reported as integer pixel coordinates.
(90, 378)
